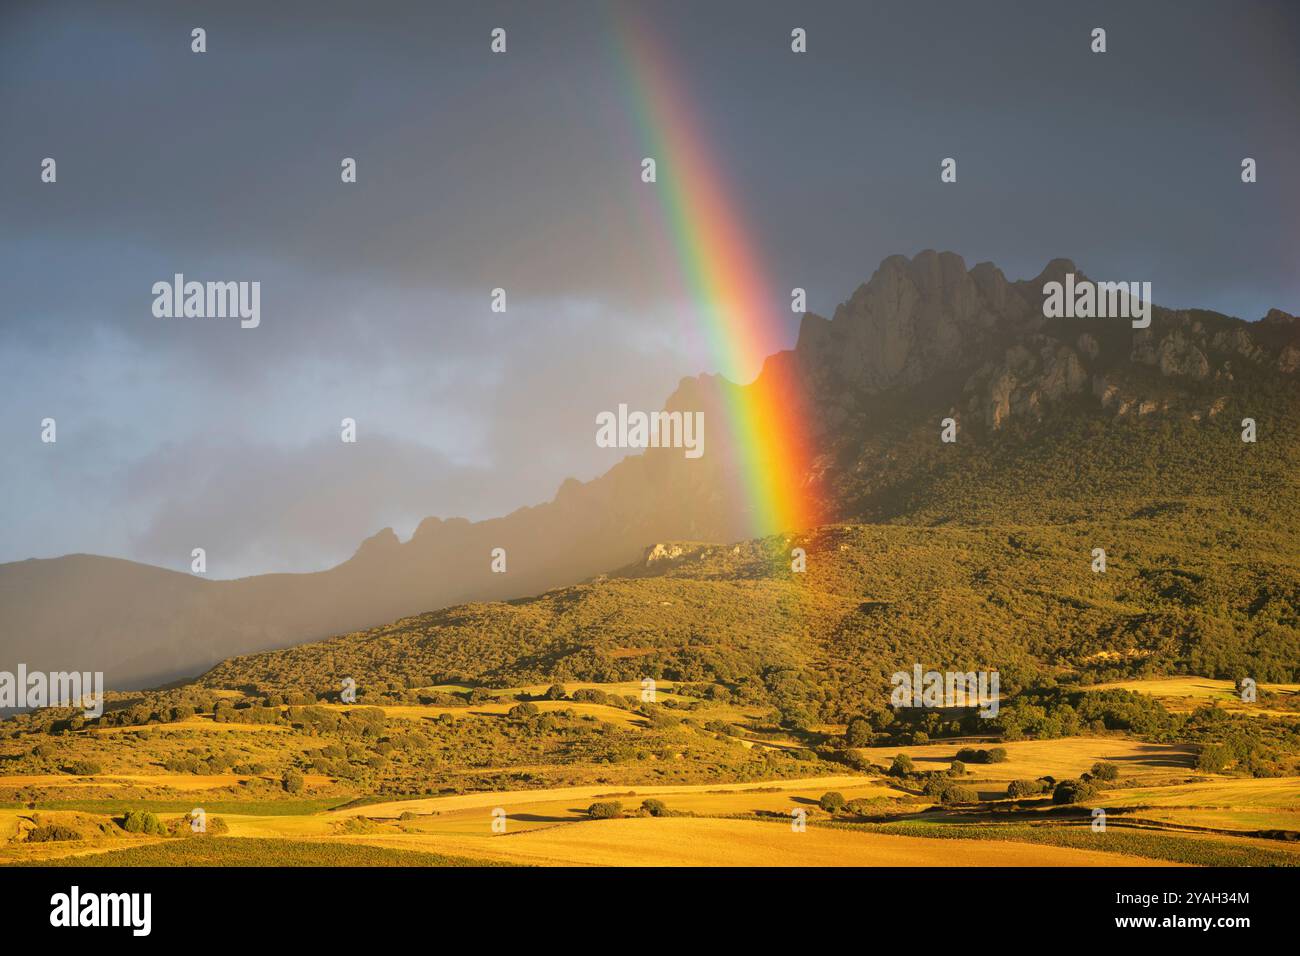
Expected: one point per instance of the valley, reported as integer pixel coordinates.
(1160, 809)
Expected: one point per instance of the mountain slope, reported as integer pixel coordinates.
(820, 645)
(1059, 420)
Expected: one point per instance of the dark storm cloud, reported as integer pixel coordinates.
(470, 178)
(478, 171)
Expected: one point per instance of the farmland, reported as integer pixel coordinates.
(699, 782)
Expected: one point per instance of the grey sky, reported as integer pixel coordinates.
(520, 171)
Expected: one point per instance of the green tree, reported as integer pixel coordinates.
(1105, 771)
(832, 801)
(1213, 758)
(142, 821)
(862, 806)
(523, 711)
(858, 732)
(1024, 788)
(292, 781)
(1073, 791)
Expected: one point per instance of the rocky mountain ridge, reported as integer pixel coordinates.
(925, 338)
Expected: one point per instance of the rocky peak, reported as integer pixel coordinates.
(1054, 271)
(913, 318)
(929, 319)
(379, 543)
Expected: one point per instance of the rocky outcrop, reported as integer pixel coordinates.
(912, 320)
(1173, 353)
(928, 319)
(377, 545)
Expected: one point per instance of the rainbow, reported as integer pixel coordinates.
(737, 307)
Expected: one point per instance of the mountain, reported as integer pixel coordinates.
(1059, 421)
(820, 645)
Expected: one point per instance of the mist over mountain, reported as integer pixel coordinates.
(1058, 420)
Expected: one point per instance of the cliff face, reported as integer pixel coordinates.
(929, 320)
(915, 319)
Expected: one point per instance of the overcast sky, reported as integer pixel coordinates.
(520, 171)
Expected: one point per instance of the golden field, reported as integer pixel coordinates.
(1162, 810)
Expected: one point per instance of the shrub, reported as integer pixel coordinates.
(292, 781)
(523, 711)
(184, 826)
(973, 755)
(862, 806)
(832, 801)
(861, 763)
(51, 833)
(720, 692)
(1213, 758)
(142, 821)
(661, 719)
(957, 769)
(1073, 791)
(85, 768)
(656, 808)
(555, 692)
(941, 789)
(901, 766)
(936, 786)
(1107, 772)
(858, 732)
(1024, 788)
(605, 810)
